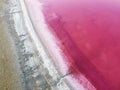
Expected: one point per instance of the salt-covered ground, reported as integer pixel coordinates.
(24, 62)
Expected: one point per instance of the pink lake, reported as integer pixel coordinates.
(89, 34)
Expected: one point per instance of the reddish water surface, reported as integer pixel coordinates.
(89, 31)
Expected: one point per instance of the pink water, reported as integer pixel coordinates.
(89, 31)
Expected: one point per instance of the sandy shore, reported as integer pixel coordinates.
(9, 76)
